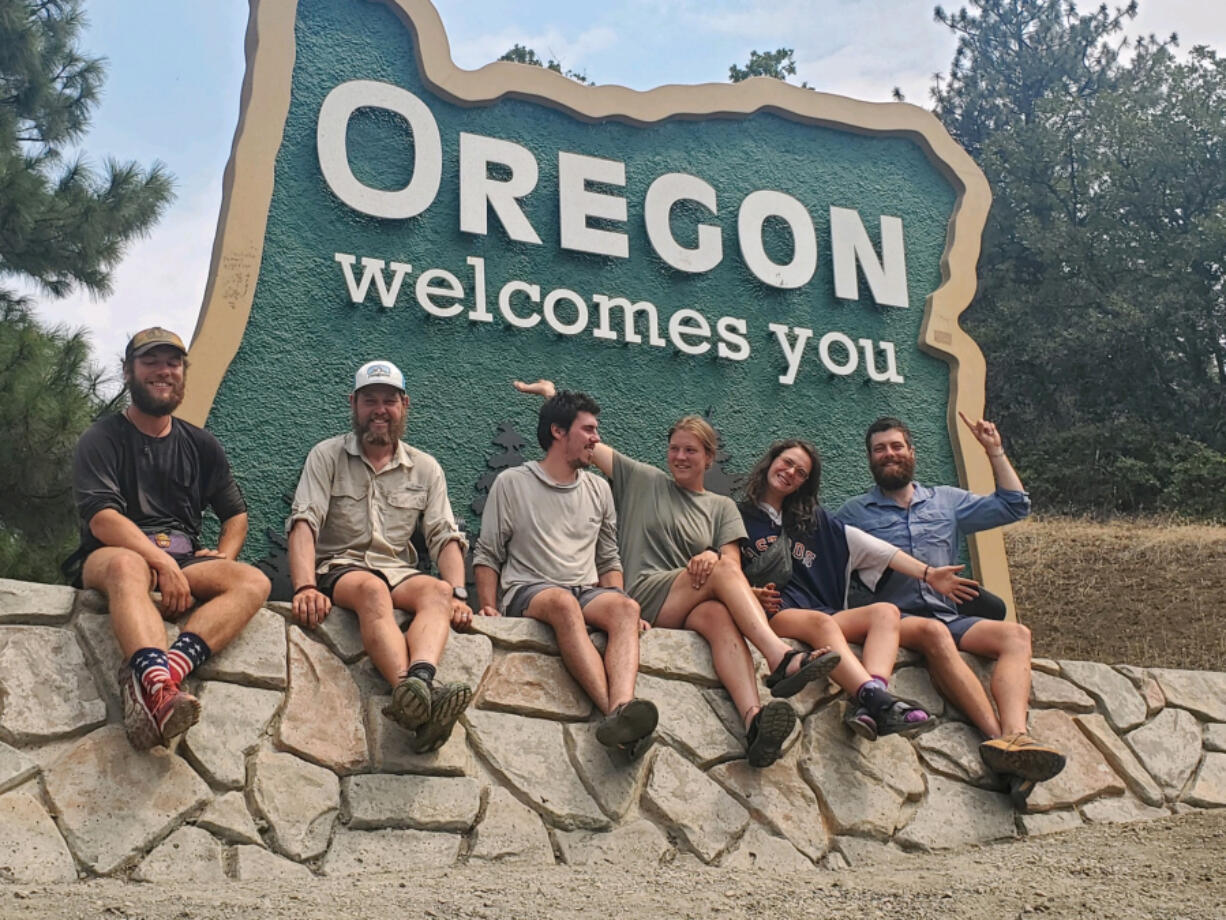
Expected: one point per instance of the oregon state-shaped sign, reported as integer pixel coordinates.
(791, 261)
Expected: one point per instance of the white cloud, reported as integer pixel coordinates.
(159, 282)
(549, 43)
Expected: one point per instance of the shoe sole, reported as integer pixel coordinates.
(138, 723)
(637, 719)
(447, 703)
(819, 668)
(411, 704)
(860, 729)
(184, 714)
(1034, 764)
(775, 722)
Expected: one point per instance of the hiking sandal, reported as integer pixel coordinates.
(768, 731)
(815, 667)
(901, 717)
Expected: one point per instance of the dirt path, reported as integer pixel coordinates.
(1174, 868)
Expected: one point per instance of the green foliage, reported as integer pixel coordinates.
(1102, 300)
(61, 226)
(521, 54)
(779, 64)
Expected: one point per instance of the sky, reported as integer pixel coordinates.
(175, 71)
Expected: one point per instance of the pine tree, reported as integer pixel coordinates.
(62, 226)
(512, 443)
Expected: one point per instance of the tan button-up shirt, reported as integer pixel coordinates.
(363, 517)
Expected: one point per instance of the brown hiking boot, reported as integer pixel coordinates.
(1020, 755)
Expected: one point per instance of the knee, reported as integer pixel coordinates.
(933, 639)
(1017, 640)
(624, 614)
(562, 612)
(727, 569)
(372, 596)
(125, 567)
(883, 616)
(255, 585)
(436, 593)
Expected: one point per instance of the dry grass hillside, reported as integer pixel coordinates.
(1142, 591)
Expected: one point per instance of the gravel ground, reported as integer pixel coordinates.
(1174, 868)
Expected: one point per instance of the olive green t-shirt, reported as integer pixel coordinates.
(661, 526)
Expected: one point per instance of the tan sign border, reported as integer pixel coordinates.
(248, 186)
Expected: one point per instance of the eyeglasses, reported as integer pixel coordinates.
(794, 468)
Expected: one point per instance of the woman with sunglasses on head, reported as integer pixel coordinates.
(804, 560)
(680, 548)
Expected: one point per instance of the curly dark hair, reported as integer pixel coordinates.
(799, 507)
(561, 410)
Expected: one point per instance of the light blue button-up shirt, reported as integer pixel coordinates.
(931, 530)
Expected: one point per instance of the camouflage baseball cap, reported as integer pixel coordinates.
(151, 338)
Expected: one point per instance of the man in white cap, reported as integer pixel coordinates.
(142, 479)
(360, 498)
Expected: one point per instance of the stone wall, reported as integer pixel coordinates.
(293, 771)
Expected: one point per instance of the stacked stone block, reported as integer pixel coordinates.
(293, 771)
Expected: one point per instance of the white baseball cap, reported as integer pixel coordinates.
(384, 372)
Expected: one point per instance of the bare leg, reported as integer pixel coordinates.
(430, 601)
(821, 631)
(951, 675)
(618, 616)
(230, 594)
(125, 579)
(876, 626)
(1009, 644)
(727, 584)
(731, 657)
(367, 595)
(559, 609)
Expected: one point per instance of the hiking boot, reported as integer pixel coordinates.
(447, 702)
(410, 705)
(174, 710)
(1020, 755)
(138, 722)
(628, 723)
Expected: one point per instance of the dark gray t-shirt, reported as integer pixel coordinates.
(160, 484)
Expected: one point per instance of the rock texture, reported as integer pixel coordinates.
(293, 771)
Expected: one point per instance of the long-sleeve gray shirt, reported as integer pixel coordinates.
(537, 530)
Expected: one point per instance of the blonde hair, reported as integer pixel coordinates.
(700, 428)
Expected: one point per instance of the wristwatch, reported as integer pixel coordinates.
(460, 593)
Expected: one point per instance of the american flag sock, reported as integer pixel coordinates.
(187, 653)
(151, 668)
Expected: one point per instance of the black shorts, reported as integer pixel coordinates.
(325, 584)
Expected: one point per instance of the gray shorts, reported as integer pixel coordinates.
(584, 594)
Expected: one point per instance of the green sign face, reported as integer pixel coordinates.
(791, 262)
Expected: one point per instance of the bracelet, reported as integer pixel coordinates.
(299, 590)
(924, 578)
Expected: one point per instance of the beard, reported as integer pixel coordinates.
(151, 404)
(394, 432)
(893, 473)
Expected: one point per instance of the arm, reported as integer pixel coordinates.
(114, 529)
(310, 605)
(944, 578)
(1002, 470)
(602, 456)
(451, 568)
(233, 535)
(614, 578)
(440, 526)
(487, 590)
